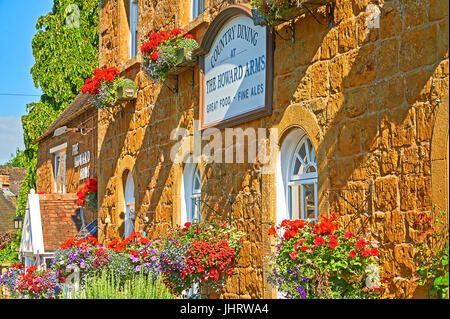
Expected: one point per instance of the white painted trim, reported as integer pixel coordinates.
(133, 19)
(32, 240)
(58, 148)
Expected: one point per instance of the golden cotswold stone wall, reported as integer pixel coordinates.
(367, 99)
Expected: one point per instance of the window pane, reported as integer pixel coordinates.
(309, 201)
(195, 209)
(294, 202)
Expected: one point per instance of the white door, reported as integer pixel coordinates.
(129, 205)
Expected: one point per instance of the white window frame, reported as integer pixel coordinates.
(285, 178)
(190, 195)
(195, 196)
(129, 208)
(197, 8)
(303, 179)
(133, 20)
(59, 153)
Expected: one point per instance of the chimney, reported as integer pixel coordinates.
(4, 181)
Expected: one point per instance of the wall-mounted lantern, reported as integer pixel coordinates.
(18, 222)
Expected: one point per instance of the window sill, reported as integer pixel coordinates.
(136, 61)
(205, 17)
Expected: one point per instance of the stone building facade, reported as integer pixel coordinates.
(67, 156)
(73, 135)
(372, 102)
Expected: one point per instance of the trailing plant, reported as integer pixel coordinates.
(123, 258)
(432, 252)
(200, 252)
(162, 52)
(103, 87)
(8, 279)
(31, 283)
(323, 261)
(270, 11)
(87, 196)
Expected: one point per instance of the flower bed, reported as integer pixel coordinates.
(198, 252)
(323, 261)
(165, 52)
(30, 284)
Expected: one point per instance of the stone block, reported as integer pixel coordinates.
(349, 138)
(395, 230)
(387, 58)
(386, 194)
(415, 13)
(418, 48)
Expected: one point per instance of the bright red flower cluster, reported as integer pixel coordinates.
(34, 284)
(209, 256)
(155, 38)
(327, 225)
(81, 243)
(89, 187)
(91, 85)
(120, 245)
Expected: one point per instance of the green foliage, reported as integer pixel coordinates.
(65, 52)
(17, 160)
(65, 49)
(107, 287)
(272, 10)
(432, 254)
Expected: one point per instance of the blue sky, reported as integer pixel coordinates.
(17, 28)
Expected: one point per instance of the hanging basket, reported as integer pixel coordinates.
(126, 90)
(185, 61)
(298, 8)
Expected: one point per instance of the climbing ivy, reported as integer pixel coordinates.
(65, 48)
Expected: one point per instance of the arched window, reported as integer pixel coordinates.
(191, 192)
(296, 178)
(129, 200)
(195, 195)
(302, 183)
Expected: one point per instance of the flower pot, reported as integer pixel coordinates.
(185, 61)
(126, 90)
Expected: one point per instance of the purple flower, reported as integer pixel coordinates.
(302, 292)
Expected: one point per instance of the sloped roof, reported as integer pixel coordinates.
(16, 176)
(81, 103)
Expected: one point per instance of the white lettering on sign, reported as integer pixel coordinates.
(82, 159)
(235, 71)
(84, 172)
(75, 149)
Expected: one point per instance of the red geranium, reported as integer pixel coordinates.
(332, 243)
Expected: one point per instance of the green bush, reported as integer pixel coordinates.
(106, 286)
